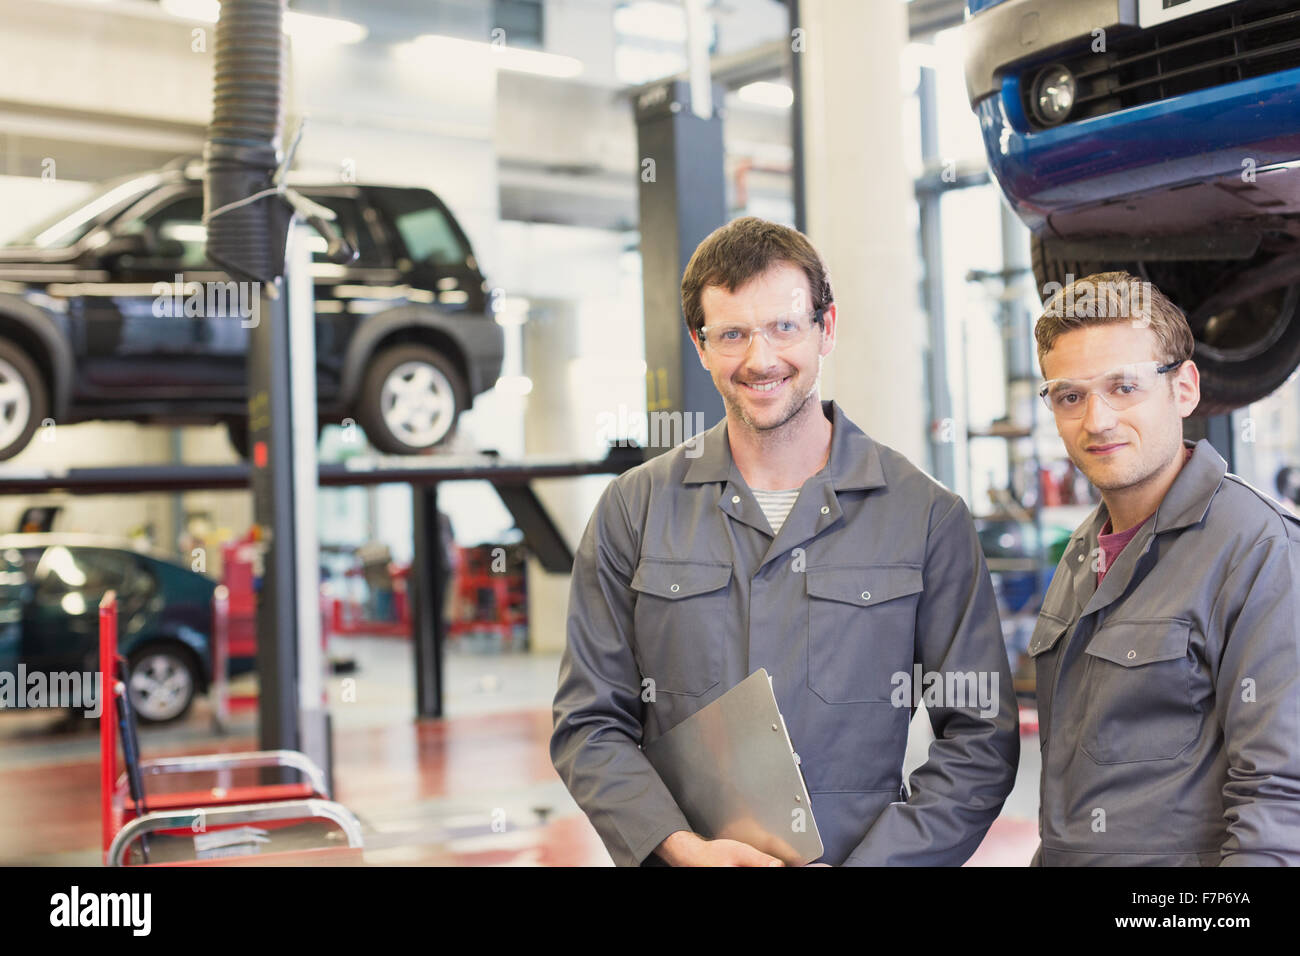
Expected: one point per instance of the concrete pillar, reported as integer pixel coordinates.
(584, 357)
(859, 213)
(550, 344)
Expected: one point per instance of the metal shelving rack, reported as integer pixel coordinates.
(1024, 466)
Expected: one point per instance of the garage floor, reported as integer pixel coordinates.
(476, 788)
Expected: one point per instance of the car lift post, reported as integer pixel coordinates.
(681, 198)
(430, 574)
(282, 439)
(426, 586)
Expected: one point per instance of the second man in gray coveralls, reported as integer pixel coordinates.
(1168, 649)
(686, 581)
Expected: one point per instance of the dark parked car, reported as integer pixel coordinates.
(111, 310)
(50, 589)
(1162, 137)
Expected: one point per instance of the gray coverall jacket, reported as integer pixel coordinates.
(1168, 700)
(678, 579)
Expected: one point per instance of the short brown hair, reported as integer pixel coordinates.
(1107, 298)
(742, 250)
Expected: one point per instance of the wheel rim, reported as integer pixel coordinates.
(161, 686)
(418, 404)
(15, 404)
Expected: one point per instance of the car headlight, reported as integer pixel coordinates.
(1053, 94)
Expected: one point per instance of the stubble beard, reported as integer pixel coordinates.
(796, 405)
(1136, 474)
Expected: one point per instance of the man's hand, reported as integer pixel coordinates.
(684, 848)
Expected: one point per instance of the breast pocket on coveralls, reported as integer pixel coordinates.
(861, 629)
(1138, 688)
(681, 617)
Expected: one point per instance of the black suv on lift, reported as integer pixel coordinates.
(106, 312)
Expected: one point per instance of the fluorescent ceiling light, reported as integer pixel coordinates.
(305, 27)
(503, 57)
(652, 20)
(514, 385)
(763, 93)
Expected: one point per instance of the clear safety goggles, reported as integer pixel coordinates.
(786, 330)
(1120, 388)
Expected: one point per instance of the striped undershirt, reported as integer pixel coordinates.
(776, 505)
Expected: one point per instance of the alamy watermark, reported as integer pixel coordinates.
(1084, 298)
(957, 689)
(181, 299)
(652, 430)
(132, 911)
(73, 690)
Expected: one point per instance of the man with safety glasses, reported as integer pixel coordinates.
(786, 539)
(1168, 647)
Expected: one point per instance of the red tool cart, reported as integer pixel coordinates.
(217, 822)
(234, 628)
(349, 617)
(490, 595)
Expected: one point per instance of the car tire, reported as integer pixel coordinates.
(163, 683)
(24, 399)
(1250, 370)
(1050, 269)
(436, 394)
(1232, 374)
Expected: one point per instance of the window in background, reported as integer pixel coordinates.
(177, 236)
(650, 40)
(429, 237)
(522, 21)
(353, 224)
(1266, 443)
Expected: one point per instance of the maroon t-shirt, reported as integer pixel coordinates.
(1112, 544)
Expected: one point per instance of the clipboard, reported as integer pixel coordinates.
(735, 775)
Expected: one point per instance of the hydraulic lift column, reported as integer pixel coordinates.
(682, 198)
(426, 585)
(282, 439)
(252, 235)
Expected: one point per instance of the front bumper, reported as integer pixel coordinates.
(1188, 156)
(1016, 30)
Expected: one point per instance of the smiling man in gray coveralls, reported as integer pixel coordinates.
(1168, 648)
(788, 540)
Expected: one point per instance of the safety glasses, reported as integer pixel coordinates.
(786, 330)
(1120, 388)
